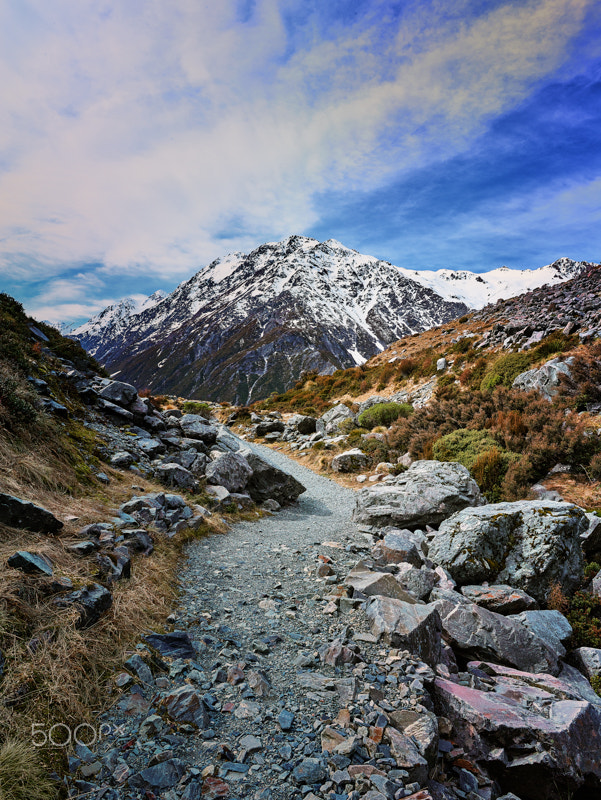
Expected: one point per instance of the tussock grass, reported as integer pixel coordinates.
(22, 777)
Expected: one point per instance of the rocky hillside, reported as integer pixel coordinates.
(248, 325)
(511, 391)
(99, 491)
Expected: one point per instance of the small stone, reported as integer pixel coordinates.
(247, 710)
(309, 771)
(250, 743)
(285, 720)
(185, 704)
(30, 563)
(151, 727)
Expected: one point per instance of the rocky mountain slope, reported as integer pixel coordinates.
(247, 325)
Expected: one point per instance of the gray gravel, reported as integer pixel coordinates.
(258, 606)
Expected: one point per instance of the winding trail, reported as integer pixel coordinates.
(259, 587)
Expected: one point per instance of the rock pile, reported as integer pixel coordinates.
(387, 683)
(523, 321)
(180, 450)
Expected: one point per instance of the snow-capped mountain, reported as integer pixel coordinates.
(114, 318)
(478, 290)
(247, 325)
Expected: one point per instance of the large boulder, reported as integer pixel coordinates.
(196, 427)
(533, 733)
(231, 470)
(267, 482)
(350, 460)
(329, 422)
(545, 379)
(475, 632)
(305, 425)
(548, 624)
(426, 494)
(118, 392)
(409, 626)
(269, 426)
(587, 660)
(362, 579)
(175, 475)
(529, 545)
(19, 513)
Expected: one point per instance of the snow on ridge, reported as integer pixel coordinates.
(477, 290)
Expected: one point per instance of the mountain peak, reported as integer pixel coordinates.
(249, 324)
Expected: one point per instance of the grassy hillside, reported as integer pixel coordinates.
(52, 672)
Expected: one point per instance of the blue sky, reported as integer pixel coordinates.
(138, 141)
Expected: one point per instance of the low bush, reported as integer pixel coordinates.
(584, 615)
(196, 407)
(539, 434)
(17, 401)
(463, 445)
(479, 451)
(384, 414)
(504, 370)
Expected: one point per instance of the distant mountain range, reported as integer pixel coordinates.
(249, 324)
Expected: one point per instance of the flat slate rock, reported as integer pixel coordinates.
(176, 644)
(21, 514)
(31, 563)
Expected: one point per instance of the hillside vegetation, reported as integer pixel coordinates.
(459, 379)
(53, 671)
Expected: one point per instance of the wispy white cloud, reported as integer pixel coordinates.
(156, 136)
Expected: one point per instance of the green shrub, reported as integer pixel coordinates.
(489, 470)
(16, 402)
(195, 407)
(446, 380)
(463, 345)
(585, 618)
(505, 370)
(479, 451)
(463, 445)
(384, 414)
(347, 425)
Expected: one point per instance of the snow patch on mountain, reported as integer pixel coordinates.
(477, 290)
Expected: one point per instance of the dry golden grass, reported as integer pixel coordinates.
(22, 777)
(576, 489)
(55, 673)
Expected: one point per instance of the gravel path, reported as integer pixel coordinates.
(281, 655)
(259, 580)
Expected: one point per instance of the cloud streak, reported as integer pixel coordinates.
(151, 138)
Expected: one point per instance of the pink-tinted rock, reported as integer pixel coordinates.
(409, 626)
(478, 633)
(500, 598)
(370, 583)
(531, 732)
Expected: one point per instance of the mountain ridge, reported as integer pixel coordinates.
(249, 324)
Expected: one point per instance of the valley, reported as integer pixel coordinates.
(272, 599)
